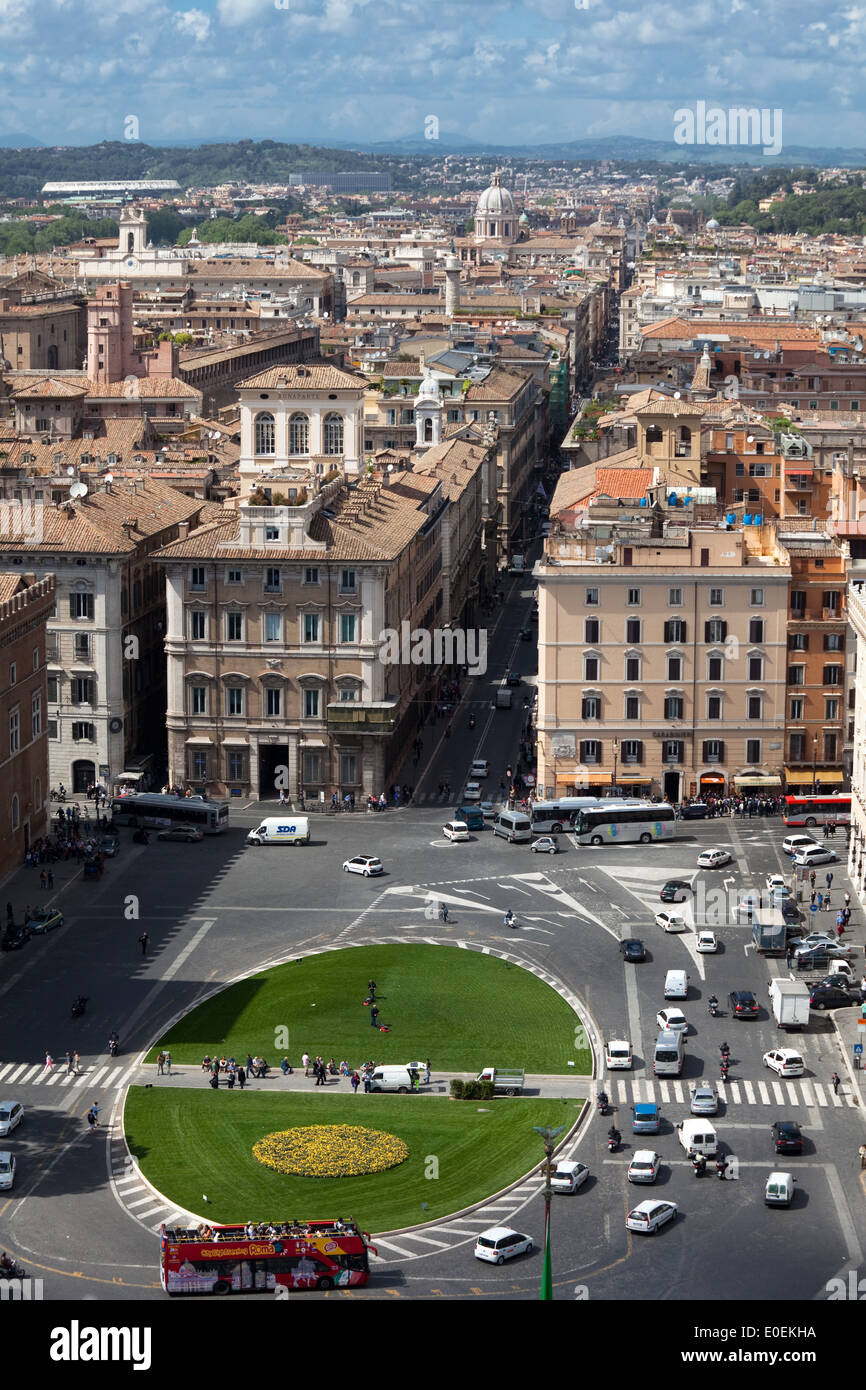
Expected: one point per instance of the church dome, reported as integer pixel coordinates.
(429, 389)
(495, 201)
(712, 225)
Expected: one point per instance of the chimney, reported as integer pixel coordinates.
(183, 531)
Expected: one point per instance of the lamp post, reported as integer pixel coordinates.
(615, 755)
(814, 761)
(549, 1136)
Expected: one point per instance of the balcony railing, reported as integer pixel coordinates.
(352, 718)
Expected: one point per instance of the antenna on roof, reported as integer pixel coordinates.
(78, 490)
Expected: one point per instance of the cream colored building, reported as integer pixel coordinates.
(662, 654)
(857, 626)
(306, 418)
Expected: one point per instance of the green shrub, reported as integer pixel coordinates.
(486, 1089)
(457, 1088)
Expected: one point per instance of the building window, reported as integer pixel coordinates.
(332, 434)
(796, 708)
(311, 574)
(798, 601)
(36, 716)
(312, 767)
(83, 732)
(591, 630)
(591, 707)
(234, 700)
(715, 630)
(14, 814)
(236, 766)
(590, 668)
(832, 675)
(311, 627)
(348, 770)
(675, 598)
(272, 534)
(632, 707)
(81, 606)
(348, 582)
(798, 641)
(754, 707)
(311, 704)
(198, 699)
(348, 694)
(13, 673)
(273, 701)
(53, 690)
(717, 598)
(265, 434)
(234, 627)
(675, 668)
(834, 642)
(715, 668)
(673, 707)
(756, 629)
(199, 766)
(632, 751)
(714, 706)
(672, 750)
(299, 434)
(714, 750)
(632, 668)
(756, 598)
(831, 709)
(756, 668)
(197, 580)
(830, 603)
(81, 690)
(796, 675)
(234, 577)
(82, 646)
(14, 731)
(632, 630)
(347, 627)
(53, 728)
(675, 630)
(198, 625)
(633, 597)
(590, 750)
(753, 750)
(592, 598)
(830, 744)
(272, 580)
(273, 627)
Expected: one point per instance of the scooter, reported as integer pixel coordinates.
(113, 1044)
(713, 1006)
(511, 920)
(12, 1271)
(472, 721)
(699, 1163)
(724, 1070)
(79, 1006)
(602, 1103)
(613, 1140)
(721, 1167)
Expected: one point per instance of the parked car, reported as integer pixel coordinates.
(366, 864)
(784, 1061)
(545, 845)
(787, 1138)
(697, 810)
(185, 834)
(676, 890)
(670, 921)
(7, 1171)
(649, 1217)
(633, 949)
(831, 996)
(713, 859)
(743, 1003)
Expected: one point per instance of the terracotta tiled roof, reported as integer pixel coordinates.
(148, 388)
(94, 525)
(10, 584)
(499, 385)
(49, 387)
(666, 405)
(304, 377)
(623, 482)
(752, 330)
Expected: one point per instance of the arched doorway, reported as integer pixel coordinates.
(52, 357)
(83, 775)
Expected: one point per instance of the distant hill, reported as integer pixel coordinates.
(17, 141)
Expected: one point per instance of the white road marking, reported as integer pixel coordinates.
(750, 1094)
(764, 1093)
(777, 1093)
(734, 1090)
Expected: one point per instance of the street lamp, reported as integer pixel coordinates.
(549, 1137)
(615, 754)
(814, 761)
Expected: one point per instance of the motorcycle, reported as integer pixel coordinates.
(713, 1006)
(721, 1167)
(601, 1103)
(613, 1140)
(510, 920)
(724, 1070)
(699, 1163)
(472, 721)
(113, 1044)
(79, 1006)
(12, 1271)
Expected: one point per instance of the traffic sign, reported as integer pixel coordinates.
(814, 907)
(858, 1048)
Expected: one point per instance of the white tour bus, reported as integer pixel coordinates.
(552, 817)
(619, 822)
(154, 809)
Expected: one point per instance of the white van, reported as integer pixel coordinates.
(513, 826)
(392, 1078)
(676, 985)
(618, 1055)
(779, 1190)
(668, 1054)
(281, 830)
(698, 1137)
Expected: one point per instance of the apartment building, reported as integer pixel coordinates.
(26, 604)
(856, 610)
(301, 422)
(662, 649)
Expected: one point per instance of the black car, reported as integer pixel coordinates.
(743, 1003)
(790, 910)
(787, 1138)
(827, 996)
(513, 678)
(696, 811)
(672, 890)
(633, 949)
(14, 938)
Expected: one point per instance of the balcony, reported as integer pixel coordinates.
(349, 717)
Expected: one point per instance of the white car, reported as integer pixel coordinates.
(784, 1061)
(650, 1216)
(670, 921)
(479, 770)
(545, 845)
(500, 1243)
(703, 1099)
(672, 1019)
(805, 858)
(713, 859)
(11, 1115)
(7, 1170)
(618, 1055)
(778, 889)
(456, 830)
(793, 844)
(568, 1177)
(644, 1166)
(365, 864)
(472, 791)
(707, 943)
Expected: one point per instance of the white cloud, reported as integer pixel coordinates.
(193, 23)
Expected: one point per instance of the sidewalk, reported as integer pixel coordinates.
(186, 1076)
(849, 1034)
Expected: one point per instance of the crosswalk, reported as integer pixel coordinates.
(813, 1093)
(105, 1077)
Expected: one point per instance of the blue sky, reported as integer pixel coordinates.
(501, 70)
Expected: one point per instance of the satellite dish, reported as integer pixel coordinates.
(70, 472)
(109, 478)
(757, 354)
(78, 490)
(766, 354)
(750, 439)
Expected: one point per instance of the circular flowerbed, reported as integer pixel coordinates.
(330, 1151)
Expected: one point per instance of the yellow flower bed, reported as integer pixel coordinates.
(330, 1151)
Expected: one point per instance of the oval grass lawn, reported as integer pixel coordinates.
(462, 1009)
(195, 1143)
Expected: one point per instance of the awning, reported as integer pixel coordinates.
(200, 739)
(750, 780)
(711, 777)
(804, 777)
(827, 777)
(597, 779)
(234, 742)
(633, 781)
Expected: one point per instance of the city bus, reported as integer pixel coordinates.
(154, 809)
(812, 810)
(301, 1255)
(618, 822)
(550, 817)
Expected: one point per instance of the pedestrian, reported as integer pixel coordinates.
(49, 1062)
(830, 879)
(847, 899)
(840, 927)
(826, 902)
(416, 1080)
(284, 1066)
(812, 879)
(160, 1064)
(76, 1060)
(142, 941)
(371, 991)
(50, 878)
(444, 910)
(168, 1062)
(862, 1153)
(91, 1120)
(819, 901)
(68, 1060)
(367, 1086)
(427, 1069)
(94, 1111)
(43, 879)
(374, 1014)
(837, 1081)
(305, 1063)
(355, 1082)
(249, 1065)
(812, 900)
(846, 916)
(231, 1078)
(214, 1082)
(320, 1073)
(789, 955)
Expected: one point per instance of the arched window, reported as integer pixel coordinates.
(14, 813)
(356, 277)
(265, 441)
(299, 434)
(654, 434)
(428, 430)
(332, 432)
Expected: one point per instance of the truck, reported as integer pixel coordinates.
(504, 698)
(768, 931)
(287, 829)
(789, 1000)
(507, 1081)
(839, 969)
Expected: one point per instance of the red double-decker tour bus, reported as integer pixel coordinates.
(262, 1257)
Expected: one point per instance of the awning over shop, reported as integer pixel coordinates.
(804, 777)
(712, 777)
(597, 779)
(827, 779)
(628, 781)
(757, 783)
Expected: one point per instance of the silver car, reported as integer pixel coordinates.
(704, 1100)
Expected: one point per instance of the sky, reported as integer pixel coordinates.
(504, 71)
